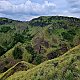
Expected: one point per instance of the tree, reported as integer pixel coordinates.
(2, 50)
(18, 38)
(38, 59)
(17, 53)
(67, 36)
(5, 29)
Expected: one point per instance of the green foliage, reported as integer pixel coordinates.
(43, 33)
(72, 32)
(2, 50)
(20, 66)
(5, 29)
(17, 53)
(30, 49)
(69, 75)
(55, 69)
(43, 38)
(18, 38)
(36, 58)
(67, 36)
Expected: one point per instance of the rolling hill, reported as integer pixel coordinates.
(65, 67)
(48, 42)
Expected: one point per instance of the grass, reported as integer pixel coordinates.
(9, 54)
(20, 66)
(48, 31)
(65, 67)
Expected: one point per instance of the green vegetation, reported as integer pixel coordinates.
(65, 67)
(69, 35)
(20, 66)
(46, 38)
(5, 29)
(17, 53)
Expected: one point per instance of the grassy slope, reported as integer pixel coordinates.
(20, 66)
(48, 29)
(65, 67)
(26, 55)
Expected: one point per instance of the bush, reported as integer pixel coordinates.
(2, 50)
(17, 53)
(31, 51)
(38, 59)
(72, 32)
(18, 38)
(5, 29)
(67, 36)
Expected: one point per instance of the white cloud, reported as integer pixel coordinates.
(5, 6)
(28, 8)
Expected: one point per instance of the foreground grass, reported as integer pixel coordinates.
(20, 66)
(65, 67)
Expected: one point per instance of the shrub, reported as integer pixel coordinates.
(18, 38)
(72, 32)
(38, 59)
(5, 29)
(2, 50)
(67, 36)
(17, 53)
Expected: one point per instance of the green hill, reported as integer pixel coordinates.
(42, 38)
(18, 49)
(16, 54)
(46, 38)
(65, 67)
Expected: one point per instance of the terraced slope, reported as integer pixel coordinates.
(65, 67)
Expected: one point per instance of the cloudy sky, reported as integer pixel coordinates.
(28, 9)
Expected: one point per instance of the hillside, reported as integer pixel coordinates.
(20, 66)
(46, 42)
(65, 67)
(57, 35)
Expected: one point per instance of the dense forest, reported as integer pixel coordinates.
(48, 46)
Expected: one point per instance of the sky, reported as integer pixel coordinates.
(26, 10)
